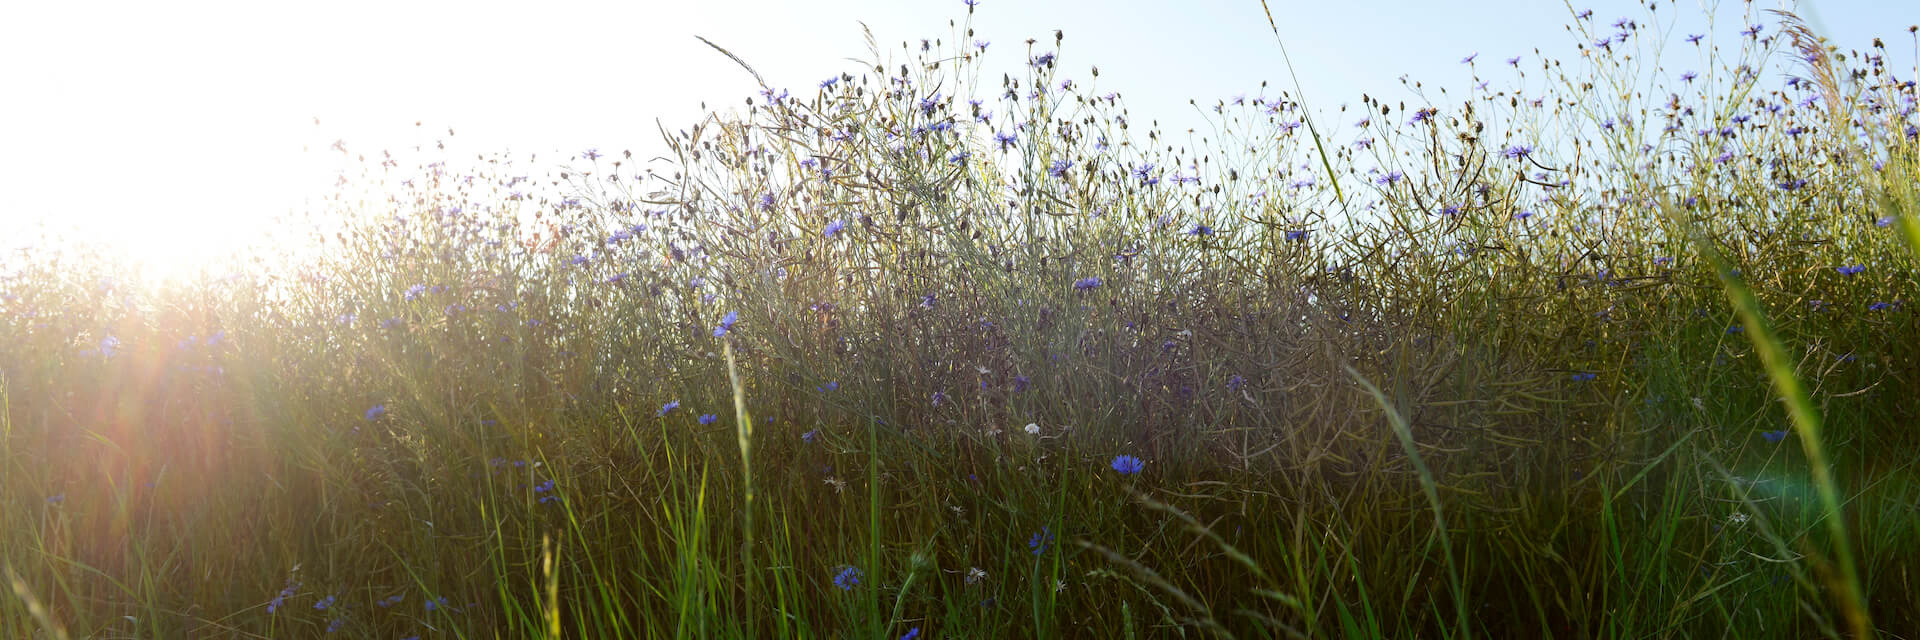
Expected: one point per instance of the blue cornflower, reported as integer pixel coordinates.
(324, 603)
(1695, 38)
(335, 624)
(1234, 383)
(1884, 222)
(914, 633)
(726, 323)
(766, 202)
(1144, 173)
(376, 411)
(1005, 140)
(1043, 59)
(1087, 283)
(1774, 436)
(391, 600)
(1200, 230)
(708, 418)
(829, 82)
(1020, 383)
(1059, 168)
(1584, 376)
(810, 436)
(1517, 152)
(1127, 465)
(414, 291)
(833, 228)
(939, 397)
(1851, 270)
(1390, 178)
(1513, 61)
(1879, 306)
(280, 599)
(1751, 31)
(668, 407)
(1469, 58)
(1297, 235)
(847, 579)
(435, 604)
(1040, 541)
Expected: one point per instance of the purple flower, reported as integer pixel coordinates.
(1774, 436)
(708, 418)
(1695, 38)
(1390, 177)
(1127, 465)
(1469, 58)
(376, 411)
(668, 407)
(1042, 60)
(1087, 283)
(847, 579)
(1584, 376)
(726, 323)
(1059, 168)
(834, 228)
(1518, 151)
(1851, 270)
(810, 436)
(1200, 230)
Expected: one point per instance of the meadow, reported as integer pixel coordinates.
(1621, 346)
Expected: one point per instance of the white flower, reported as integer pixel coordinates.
(1033, 429)
(975, 574)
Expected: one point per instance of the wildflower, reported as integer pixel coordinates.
(435, 604)
(1886, 221)
(668, 407)
(391, 600)
(914, 633)
(1040, 541)
(1033, 428)
(847, 579)
(324, 603)
(1513, 61)
(831, 386)
(109, 346)
(335, 624)
(939, 397)
(1005, 140)
(810, 436)
(1059, 168)
(975, 575)
(1200, 230)
(1086, 283)
(1751, 31)
(414, 291)
(1695, 38)
(1879, 306)
(1390, 178)
(1297, 235)
(1469, 58)
(1127, 465)
(1584, 376)
(726, 323)
(281, 598)
(1020, 383)
(829, 82)
(708, 418)
(1774, 436)
(376, 411)
(1043, 60)
(1850, 270)
(1144, 173)
(57, 498)
(1234, 383)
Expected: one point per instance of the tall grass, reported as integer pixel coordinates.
(1021, 369)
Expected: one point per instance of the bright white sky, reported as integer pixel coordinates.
(177, 130)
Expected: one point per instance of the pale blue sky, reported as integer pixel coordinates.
(177, 128)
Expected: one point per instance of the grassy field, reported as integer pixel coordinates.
(1623, 346)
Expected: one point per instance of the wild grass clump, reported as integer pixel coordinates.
(922, 353)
